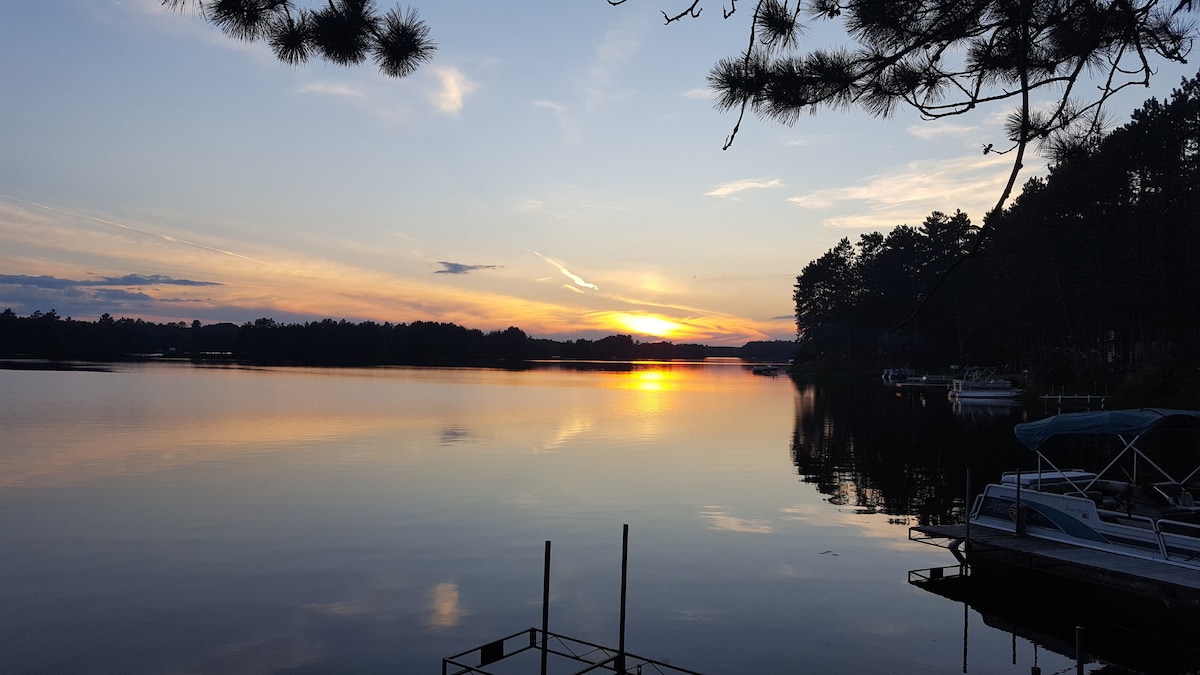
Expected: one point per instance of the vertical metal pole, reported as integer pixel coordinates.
(1079, 650)
(968, 509)
(545, 606)
(1020, 520)
(966, 615)
(624, 579)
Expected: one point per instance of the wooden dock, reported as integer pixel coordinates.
(1173, 585)
(1082, 398)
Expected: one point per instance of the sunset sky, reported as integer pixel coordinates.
(557, 167)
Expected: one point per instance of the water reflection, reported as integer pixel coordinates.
(375, 520)
(720, 519)
(980, 409)
(259, 657)
(108, 424)
(446, 611)
(902, 454)
(576, 422)
(1042, 612)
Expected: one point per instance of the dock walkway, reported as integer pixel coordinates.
(1172, 584)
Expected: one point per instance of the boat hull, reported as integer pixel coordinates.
(1078, 521)
(987, 393)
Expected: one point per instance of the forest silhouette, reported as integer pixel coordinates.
(1090, 275)
(46, 335)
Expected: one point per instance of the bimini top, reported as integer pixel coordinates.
(1107, 422)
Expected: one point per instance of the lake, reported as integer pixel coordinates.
(168, 518)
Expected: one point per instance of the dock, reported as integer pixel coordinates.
(1075, 401)
(1173, 586)
(1082, 398)
(567, 652)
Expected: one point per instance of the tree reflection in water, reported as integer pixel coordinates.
(875, 448)
(1126, 634)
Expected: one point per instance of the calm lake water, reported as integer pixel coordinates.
(175, 519)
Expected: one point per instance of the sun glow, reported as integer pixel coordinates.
(646, 324)
(651, 380)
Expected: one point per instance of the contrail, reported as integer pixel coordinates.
(174, 240)
(573, 277)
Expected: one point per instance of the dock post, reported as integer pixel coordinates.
(967, 503)
(1078, 650)
(546, 607)
(1020, 514)
(620, 664)
(966, 625)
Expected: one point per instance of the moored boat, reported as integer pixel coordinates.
(893, 375)
(983, 383)
(1133, 506)
(925, 382)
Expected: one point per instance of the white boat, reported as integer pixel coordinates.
(1132, 506)
(925, 382)
(982, 383)
(891, 375)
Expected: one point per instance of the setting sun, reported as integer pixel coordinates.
(649, 325)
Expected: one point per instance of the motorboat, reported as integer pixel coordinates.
(982, 383)
(1136, 505)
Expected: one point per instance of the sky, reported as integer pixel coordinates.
(557, 167)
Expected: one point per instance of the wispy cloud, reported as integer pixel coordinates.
(47, 281)
(728, 190)
(336, 89)
(931, 130)
(128, 228)
(459, 268)
(618, 46)
(567, 273)
(407, 237)
(454, 87)
(808, 140)
(567, 124)
(816, 200)
(909, 193)
(557, 108)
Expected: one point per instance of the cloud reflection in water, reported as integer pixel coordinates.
(720, 519)
(446, 612)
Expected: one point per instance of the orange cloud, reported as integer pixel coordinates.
(246, 280)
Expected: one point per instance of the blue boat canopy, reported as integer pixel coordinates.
(1107, 422)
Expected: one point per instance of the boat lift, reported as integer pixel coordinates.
(593, 657)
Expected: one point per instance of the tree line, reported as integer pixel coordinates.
(46, 335)
(1092, 269)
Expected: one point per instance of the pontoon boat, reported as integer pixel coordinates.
(1133, 506)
